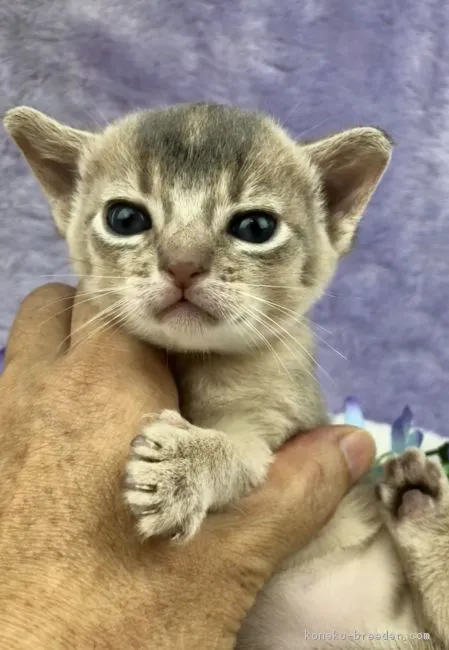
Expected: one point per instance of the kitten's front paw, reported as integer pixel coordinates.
(413, 486)
(166, 483)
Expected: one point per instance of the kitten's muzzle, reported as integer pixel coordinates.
(186, 309)
(187, 300)
(183, 274)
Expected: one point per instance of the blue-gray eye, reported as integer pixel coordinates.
(255, 227)
(126, 220)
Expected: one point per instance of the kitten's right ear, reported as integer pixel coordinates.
(52, 150)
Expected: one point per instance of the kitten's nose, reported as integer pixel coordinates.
(184, 273)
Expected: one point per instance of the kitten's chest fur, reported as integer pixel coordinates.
(276, 392)
(275, 388)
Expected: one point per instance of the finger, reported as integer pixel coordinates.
(95, 330)
(108, 355)
(306, 483)
(40, 329)
(90, 321)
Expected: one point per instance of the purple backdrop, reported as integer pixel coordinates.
(318, 65)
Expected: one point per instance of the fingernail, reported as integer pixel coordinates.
(138, 440)
(358, 449)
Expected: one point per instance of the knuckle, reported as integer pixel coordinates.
(316, 473)
(324, 485)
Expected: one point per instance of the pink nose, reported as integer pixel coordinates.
(183, 273)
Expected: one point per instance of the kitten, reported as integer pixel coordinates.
(210, 232)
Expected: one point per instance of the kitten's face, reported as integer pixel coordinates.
(201, 227)
(228, 239)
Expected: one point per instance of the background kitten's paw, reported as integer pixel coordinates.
(166, 483)
(413, 486)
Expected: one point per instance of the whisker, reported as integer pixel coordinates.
(62, 311)
(82, 275)
(297, 343)
(331, 347)
(265, 342)
(90, 298)
(114, 320)
(291, 312)
(317, 125)
(313, 324)
(80, 294)
(282, 340)
(98, 316)
(264, 339)
(119, 319)
(289, 288)
(252, 329)
(286, 310)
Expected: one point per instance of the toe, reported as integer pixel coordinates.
(394, 472)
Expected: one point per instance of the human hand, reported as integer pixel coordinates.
(74, 573)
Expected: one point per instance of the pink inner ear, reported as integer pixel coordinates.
(59, 176)
(347, 187)
(351, 165)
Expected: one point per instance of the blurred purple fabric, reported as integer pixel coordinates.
(319, 66)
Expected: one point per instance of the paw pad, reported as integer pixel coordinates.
(412, 485)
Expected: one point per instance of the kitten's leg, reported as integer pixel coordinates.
(415, 498)
(177, 472)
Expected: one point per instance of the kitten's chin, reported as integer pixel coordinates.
(177, 333)
(184, 315)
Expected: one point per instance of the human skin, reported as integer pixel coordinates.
(74, 573)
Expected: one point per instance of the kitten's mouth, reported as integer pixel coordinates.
(184, 310)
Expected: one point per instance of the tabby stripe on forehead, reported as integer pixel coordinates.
(145, 178)
(236, 185)
(195, 143)
(167, 203)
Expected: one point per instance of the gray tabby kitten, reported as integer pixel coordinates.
(210, 232)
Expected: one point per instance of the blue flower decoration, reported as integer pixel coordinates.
(403, 434)
(353, 413)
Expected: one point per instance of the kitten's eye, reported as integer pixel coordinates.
(127, 220)
(253, 227)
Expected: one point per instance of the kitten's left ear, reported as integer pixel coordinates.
(52, 150)
(351, 165)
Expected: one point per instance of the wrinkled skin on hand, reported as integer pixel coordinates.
(74, 572)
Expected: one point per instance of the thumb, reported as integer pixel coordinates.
(307, 480)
